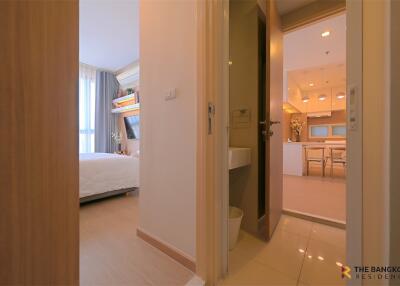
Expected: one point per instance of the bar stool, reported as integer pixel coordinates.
(335, 159)
(319, 159)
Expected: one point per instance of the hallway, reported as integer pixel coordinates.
(300, 253)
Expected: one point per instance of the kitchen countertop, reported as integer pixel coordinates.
(317, 143)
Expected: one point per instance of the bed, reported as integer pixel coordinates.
(102, 175)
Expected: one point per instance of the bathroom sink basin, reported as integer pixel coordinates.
(239, 157)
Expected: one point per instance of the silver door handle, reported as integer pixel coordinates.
(270, 132)
(263, 123)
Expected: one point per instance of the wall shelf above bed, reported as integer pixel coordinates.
(123, 99)
(126, 108)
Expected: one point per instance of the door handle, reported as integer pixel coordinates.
(270, 132)
(210, 113)
(271, 122)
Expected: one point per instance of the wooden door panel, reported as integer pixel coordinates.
(39, 202)
(274, 92)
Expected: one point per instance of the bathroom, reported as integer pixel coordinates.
(248, 111)
(269, 234)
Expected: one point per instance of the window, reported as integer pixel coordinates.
(319, 131)
(339, 130)
(87, 99)
(327, 131)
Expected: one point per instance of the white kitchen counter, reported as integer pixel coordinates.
(293, 155)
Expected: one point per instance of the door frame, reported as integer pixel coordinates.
(212, 149)
(354, 178)
(211, 238)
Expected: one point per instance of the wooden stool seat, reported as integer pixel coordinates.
(319, 159)
(338, 159)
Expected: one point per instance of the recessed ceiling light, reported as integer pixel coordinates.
(320, 258)
(311, 84)
(301, 250)
(339, 264)
(322, 97)
(340, 95)
(306, 99)
(325, 34)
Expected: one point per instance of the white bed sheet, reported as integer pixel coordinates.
(104, 172)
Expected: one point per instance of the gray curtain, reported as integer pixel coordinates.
(105, 122)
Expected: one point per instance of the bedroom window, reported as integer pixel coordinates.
(87, 97)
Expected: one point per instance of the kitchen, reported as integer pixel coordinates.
(314, 122)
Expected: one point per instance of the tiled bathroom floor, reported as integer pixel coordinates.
(300, 253)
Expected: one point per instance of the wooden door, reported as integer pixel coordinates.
(274, 146)
(39, 204)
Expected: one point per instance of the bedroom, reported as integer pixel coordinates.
(109, 105)
(111, 253)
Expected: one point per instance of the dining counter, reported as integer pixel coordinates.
(293, 155)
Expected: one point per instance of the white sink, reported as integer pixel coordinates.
(239, 157)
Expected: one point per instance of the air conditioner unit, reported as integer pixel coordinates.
(319, 114)
(129, 76)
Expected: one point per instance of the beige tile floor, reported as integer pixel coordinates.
(300, 253)
(316, 195)
(111, 253)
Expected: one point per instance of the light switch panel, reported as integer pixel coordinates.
(170, 94)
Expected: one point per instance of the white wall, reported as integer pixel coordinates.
(168, 128)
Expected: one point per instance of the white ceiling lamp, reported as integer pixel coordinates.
(325, 34)
(305, 99)
(311, 84)
(322, 97)
(340, 95)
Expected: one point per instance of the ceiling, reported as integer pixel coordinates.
(108, 33)
(316, 65)
(286, 6)
(318, 77)
(305, 48)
